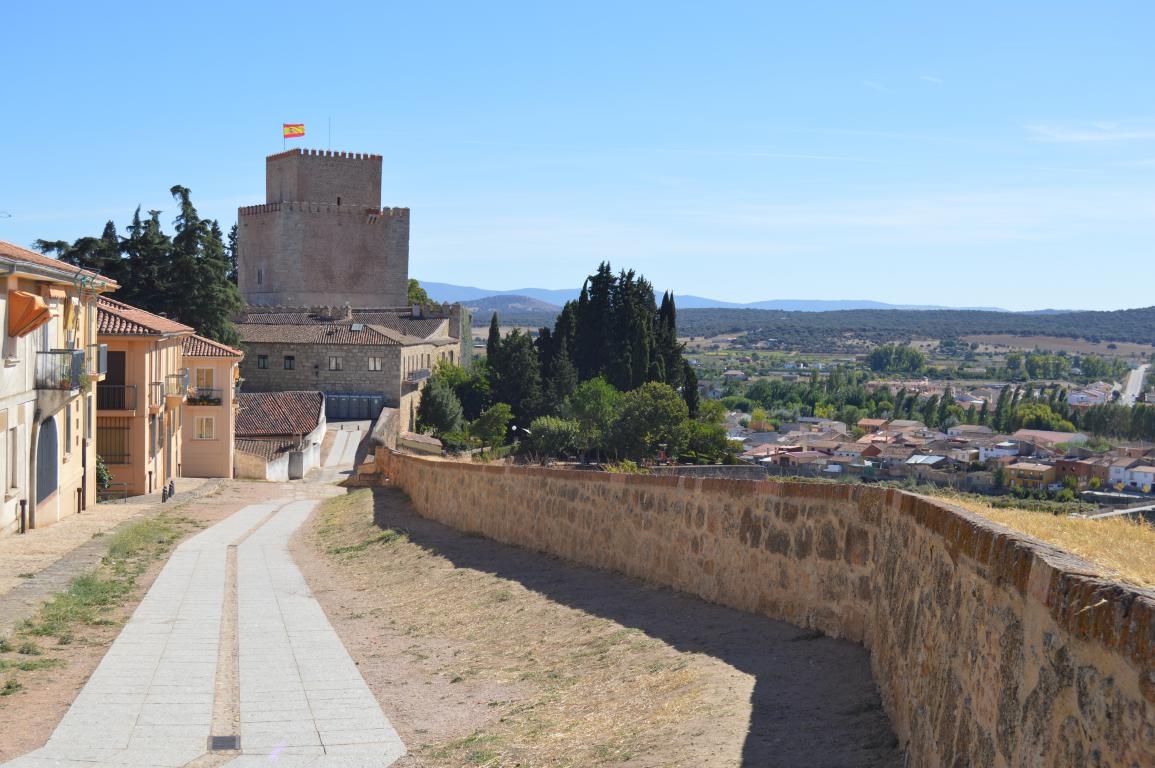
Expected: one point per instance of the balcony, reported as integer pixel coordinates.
(176, 388)
(116, 397)
(417, 376)
(59, 369)
(97, 360)
(58, 378)
(204, 396)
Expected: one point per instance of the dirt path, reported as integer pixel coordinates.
(485, 654)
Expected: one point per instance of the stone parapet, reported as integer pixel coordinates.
(989, 648)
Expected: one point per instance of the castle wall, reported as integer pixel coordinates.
(301, 254)
(321, 176)
(988, 648)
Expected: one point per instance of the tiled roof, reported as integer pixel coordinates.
(16, 253)
(263, 414)
(314, 334)
(393, 323)
(115, 318)
(266, 449)
(199, 346)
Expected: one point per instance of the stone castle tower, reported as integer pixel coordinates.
(322, 237)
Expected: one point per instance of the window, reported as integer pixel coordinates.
(260, 275)
(262, 361)
(290, 362)
(335, 364)
(206, 428)
(204, 378)
(114, 439)
(376, 363)
(13, 460)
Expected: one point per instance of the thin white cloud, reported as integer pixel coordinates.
(931, 79)
(1096, 132)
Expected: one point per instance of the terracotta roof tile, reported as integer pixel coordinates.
(266, 449)
(16, 253)
(199, 346)
(115, 318)
(314, 334)
(264, 414)
(392, 323)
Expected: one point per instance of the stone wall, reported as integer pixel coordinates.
(301, 254)
(989, 648)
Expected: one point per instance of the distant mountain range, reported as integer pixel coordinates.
(479, 299)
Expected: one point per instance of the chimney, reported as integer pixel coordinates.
(416, 313)
(348, 311)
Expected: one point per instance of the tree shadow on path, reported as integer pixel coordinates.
(814, 702)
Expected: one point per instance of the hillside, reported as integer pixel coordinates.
(513, 310)
(828, 331)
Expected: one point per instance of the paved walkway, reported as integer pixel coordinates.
(228, 660)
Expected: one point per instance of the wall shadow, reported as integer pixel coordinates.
(814, 702)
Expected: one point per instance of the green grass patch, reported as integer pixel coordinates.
(387, 536)
(11, 686)
(476, 748)
(29, 665)
(90, 597)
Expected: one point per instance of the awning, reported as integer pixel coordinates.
(26, 313)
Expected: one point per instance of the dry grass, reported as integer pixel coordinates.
(585, 690)
(1124, 549)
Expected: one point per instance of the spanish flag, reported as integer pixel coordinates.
(294, 130)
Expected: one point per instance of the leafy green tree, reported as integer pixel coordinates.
(650, 416)
(594, 405)
(492, 426)
(551, 437)
(440, 410)
(416, 294)
(516, 377)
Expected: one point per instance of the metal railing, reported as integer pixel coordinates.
(112, 492)
(176, 384)
(59, 369)
(421, 374)
(97, 359)
(116, 397)
(204, 396)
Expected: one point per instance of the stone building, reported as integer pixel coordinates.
(322, 237)
(325, 272)
(362, 359)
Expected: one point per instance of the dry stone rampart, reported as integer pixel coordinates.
(989, 648)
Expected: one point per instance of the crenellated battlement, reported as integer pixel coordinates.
(371, 214)
(326, 153)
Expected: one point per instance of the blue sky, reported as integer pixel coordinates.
(993, 154)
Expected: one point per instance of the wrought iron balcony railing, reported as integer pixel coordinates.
(204, 396)
(59, 369)
(116, 397)
(97, 359)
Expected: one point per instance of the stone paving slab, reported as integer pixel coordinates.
(150, 701)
